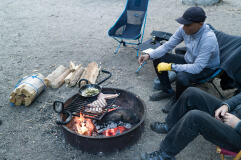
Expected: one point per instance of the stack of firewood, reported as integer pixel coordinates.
(30, 87)
(70, 76)
(27, 90)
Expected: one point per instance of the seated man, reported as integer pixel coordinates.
(194, 113)
(200, 61)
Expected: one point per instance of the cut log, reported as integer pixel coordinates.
(19, 100)
(75, 78)
(27, 90)
(60, 80)
(54, 75)
(67, 79)
(27, 101)
(91, 73)
(12, 99)
(71, 75)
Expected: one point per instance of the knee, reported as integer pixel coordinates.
(156, 62)
(192, 91)
(194, 115)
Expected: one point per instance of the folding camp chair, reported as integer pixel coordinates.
(130, 24)
(210, 80)
(224, 152)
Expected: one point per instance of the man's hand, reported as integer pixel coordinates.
(220, 112)
(143, 58)
(231, 120)
(164, 66)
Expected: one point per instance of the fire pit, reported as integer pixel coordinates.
(95, 144)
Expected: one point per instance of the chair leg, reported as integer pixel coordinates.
(117, 49)
(137, 53)
(217, 90)
(222, 156)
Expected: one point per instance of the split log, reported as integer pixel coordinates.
(75, 78)
(67, 79)
(60, 80)
(72, 66)
(71, 75)
(54, 75)
(91, 73)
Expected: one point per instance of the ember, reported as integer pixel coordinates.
(114, 131)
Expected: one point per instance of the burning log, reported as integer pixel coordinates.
(114, 131)
(81, 125)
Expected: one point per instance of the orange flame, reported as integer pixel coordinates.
(81, 125)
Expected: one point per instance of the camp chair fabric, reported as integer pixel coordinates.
(230, 54)
(129, 24)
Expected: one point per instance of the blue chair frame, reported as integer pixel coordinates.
(210, 80)
(131, 5)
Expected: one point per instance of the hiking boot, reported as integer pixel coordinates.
(169, 105)
(161, 95)
(159, 127)
(157, 155)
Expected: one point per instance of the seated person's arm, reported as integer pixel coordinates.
(233, 102)
(207, 48)
(174, 40)
(230, 119)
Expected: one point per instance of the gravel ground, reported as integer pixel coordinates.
(42, 34)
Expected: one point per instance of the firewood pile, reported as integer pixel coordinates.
(29, 87)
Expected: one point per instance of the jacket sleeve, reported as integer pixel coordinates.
(238, 127)
(175, 39)
(205, 52)
(233, 101)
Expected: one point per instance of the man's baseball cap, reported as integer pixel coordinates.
(192, 15)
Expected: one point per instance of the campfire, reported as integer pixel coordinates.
(116, 125)
(84, 122)
(89, 127)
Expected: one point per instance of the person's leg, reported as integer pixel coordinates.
(197, 122)
(185, 79)
(163, 76)
(168, 58)
(191, 98)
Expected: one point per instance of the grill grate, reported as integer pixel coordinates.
(79, 103)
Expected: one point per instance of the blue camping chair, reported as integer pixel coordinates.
(129, 24)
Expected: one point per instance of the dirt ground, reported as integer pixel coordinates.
(42, 34)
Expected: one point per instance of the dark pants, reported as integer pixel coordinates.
(192, 115)
(183, 79)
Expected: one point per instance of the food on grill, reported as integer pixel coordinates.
(90, 92)
(94, 110)
(98, 105)
(107, 96)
